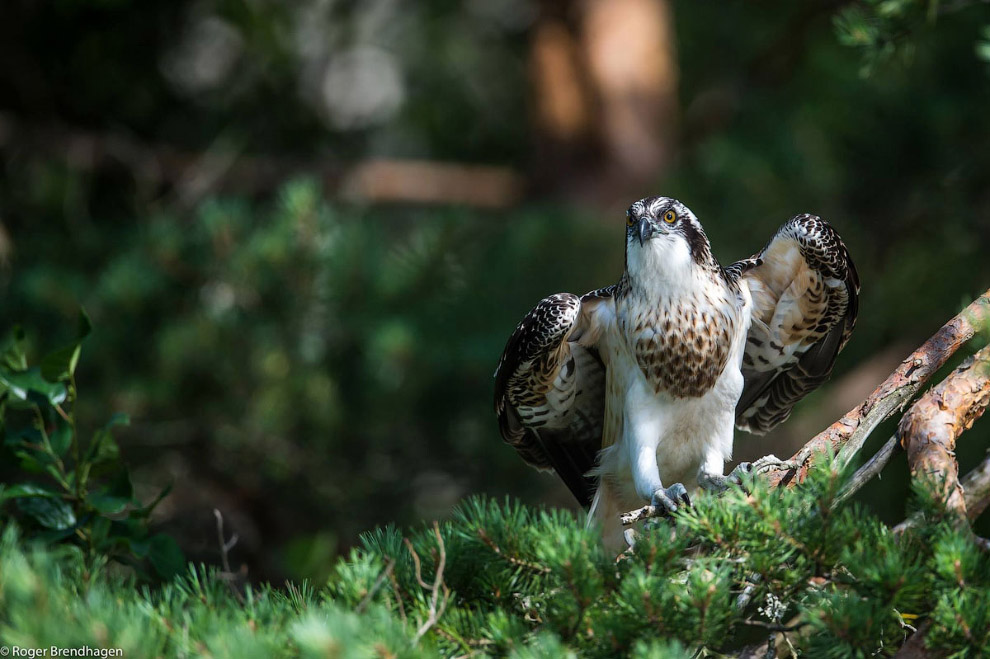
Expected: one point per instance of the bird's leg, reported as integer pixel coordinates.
(714, 483)
(642, 430)
(710, 476)
(646, 476)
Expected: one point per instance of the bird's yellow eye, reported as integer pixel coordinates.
(669, 217)
(630, 220)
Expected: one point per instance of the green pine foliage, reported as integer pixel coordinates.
(503, 579)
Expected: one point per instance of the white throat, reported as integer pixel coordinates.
(663, 267)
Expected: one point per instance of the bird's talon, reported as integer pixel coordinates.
(670, 499)
(738, 476)
(772, 462)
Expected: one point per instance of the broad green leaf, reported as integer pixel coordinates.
(166, 557)
(27, 386)
(83, 325)
(120, 485)
(107, 504)
(32, 461)
(61, 438)
(13, 356)
(103, 449)
(28, 490)
(99, 531)
(115, 497)
(51, 536)
(50, 513)
(18, 437)
(61, 364)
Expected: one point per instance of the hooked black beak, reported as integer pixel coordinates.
(645, 230)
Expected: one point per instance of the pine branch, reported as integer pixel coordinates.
(976, 494)
(847, 435)
(646, 512)
(542, 569)
(976, 489)
(929, 430)
(872, 468)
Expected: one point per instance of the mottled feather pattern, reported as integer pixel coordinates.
(549, 392)
(531, 357)
(681, 345)
(805, 295)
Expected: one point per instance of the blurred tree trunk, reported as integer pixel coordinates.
(604, 86)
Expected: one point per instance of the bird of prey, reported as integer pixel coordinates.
(630, 392)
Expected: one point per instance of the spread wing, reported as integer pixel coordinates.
(550, 388)
(805, 299)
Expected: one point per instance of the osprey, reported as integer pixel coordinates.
(630, 392)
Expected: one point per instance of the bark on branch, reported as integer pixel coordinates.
(976, 489)
(976, 495)
(929, 430)
(846, 436)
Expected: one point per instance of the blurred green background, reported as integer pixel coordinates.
(304, 230)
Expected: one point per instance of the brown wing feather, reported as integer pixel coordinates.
(805, 293)
(550, 390)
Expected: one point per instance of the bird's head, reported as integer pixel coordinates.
(663, 236)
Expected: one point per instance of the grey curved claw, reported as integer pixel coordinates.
(669, 499)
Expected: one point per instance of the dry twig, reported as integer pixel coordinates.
(872, 468)
(227, 575)
(225, 545)
(437, 605)
(383, 574)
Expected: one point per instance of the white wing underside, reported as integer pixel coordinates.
(804, 289)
